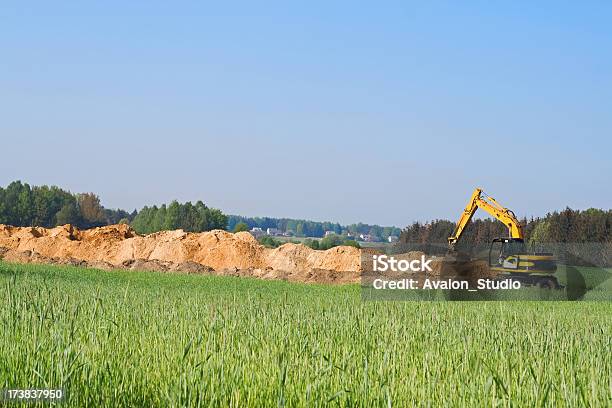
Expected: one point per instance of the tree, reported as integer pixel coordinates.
(312, 243)
(116, 216)
(3, 212)
(19, 203)
(189, 217)
(540, 233)
(241, 226)
(44, 213)
(317, 230)
(269, 242)
(91, 211)
(291, 225)
(172, 216)
(158, 218)
(68, 214)
(353, 243)
(141, 221)
(219, 220)
(330, 241)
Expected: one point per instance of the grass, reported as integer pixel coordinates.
(152, 339)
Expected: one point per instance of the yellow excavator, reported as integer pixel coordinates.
(510, 255)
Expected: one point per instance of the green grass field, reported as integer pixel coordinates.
(151, 339)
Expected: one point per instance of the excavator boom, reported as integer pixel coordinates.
(481, 200)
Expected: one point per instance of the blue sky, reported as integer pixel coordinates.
(386, 112)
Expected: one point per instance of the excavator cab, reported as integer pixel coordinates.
(503, 252)
(511, 255)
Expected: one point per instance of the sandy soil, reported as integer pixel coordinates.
(214, 252)
(218, 252)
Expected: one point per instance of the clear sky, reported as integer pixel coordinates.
(383, 113)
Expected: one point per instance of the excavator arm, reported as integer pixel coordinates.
(481, 200)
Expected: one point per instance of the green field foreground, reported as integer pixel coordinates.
(151, 339)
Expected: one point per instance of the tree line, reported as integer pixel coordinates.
(586, 235)
(44, 206)
(305, 228)
(567, 226)
(188, 217)
(49, 206)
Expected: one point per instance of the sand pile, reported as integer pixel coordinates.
(218, 252)
(221, 252)
(299, 257)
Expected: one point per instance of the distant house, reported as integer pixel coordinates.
(366, 237)
(288, 234)
(393, 238)
(274, 232)
(257, 232)
(328, 233)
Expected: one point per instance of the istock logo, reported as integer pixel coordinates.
(384, 263)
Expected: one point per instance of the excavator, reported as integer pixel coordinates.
(510, 256)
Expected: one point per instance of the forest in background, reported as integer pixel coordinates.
(25, 205)
(566, 226)
(305, 228)
(575, 237)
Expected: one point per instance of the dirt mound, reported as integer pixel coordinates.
(11, 255)
(340, 258)
(301, 263)
(146, 265)
(119, 246)
(192, 267)
(448, 266)
(468, 268)
(111, 232)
